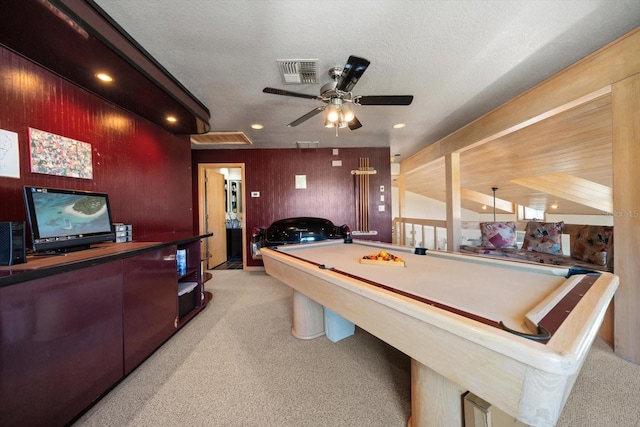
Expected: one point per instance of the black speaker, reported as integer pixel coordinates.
(12, 243)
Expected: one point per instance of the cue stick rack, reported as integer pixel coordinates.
(361, 181)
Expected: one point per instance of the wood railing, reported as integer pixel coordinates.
(431, 233)
(418, 232)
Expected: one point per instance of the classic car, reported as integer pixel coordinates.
(294, 231)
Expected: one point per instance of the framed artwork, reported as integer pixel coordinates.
(9, 157)
(56, 155)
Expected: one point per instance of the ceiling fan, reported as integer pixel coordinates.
(337, 96)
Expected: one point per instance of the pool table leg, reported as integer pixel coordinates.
(308, 317)
(435, 400)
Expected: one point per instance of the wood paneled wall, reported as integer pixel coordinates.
(144, 169)
(331, 190)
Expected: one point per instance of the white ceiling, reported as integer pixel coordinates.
(460, 59)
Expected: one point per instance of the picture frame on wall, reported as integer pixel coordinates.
(53, 154)
(9, 155)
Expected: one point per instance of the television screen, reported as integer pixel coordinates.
(67, 219)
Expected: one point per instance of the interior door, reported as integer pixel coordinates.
(215, 218)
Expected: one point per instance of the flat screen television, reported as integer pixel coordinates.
(67, 220)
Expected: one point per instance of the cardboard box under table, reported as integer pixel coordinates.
(337, 327)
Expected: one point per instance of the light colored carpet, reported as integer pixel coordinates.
(236, 364)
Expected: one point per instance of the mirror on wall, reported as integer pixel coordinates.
(233, 197)
(233, 191)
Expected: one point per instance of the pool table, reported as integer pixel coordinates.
(515, 334)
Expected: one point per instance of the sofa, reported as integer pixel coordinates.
(591, 245)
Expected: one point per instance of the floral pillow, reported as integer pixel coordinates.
(592, 243)
(543, 237)
(498, 234)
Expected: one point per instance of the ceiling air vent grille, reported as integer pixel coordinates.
(307, 144)
(213, 139)
(298, 71)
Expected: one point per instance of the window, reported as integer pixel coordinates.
(527, 213)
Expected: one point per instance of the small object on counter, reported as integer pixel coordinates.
(181, 258)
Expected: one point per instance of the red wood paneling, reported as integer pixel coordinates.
(331, 190)
(143, 168)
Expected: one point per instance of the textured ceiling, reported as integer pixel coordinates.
(460, 59)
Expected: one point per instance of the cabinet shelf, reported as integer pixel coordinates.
(190, 303)
(188, 273)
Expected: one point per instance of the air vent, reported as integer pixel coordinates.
(298, 71)
(219, 138)
(307, 144)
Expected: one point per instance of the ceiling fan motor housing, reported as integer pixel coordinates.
(329, 90)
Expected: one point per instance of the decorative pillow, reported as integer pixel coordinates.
(543, 237)
(498, 234)
(591, 244)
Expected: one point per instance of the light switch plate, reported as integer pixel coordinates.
(301, 181)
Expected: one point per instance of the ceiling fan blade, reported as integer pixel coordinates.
(383, 100)
(288, 93)
(355, 123)
(307, 116)
(351, 73)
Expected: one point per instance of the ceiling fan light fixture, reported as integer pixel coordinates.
(334, 110)
(347, 114)
(333, 115)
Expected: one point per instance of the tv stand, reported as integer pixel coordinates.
(70, 249)
(74, 324)
(61, 251)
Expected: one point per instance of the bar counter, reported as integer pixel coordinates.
(43, 265)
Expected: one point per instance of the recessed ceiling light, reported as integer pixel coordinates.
(257, 126)
(399, 125)
(171, 119)
(104, 77)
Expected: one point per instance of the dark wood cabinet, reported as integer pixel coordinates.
(71, 327)
(150, 316)
(61, 344)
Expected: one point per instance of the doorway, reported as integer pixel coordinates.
(221, 202)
